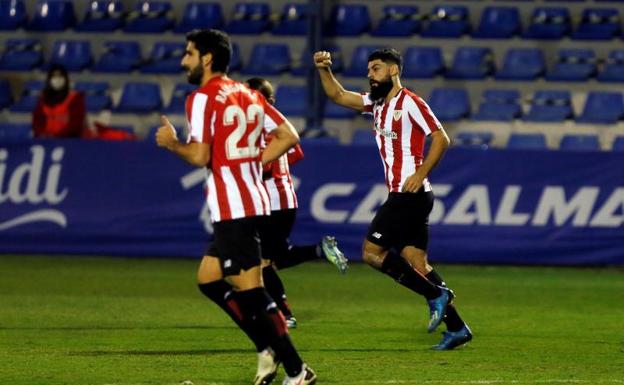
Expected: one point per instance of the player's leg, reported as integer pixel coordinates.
(274, 241)
(293, 255)
(212, 285)
(241, 265)
(388, 233)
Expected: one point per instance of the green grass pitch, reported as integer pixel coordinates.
(130, 321)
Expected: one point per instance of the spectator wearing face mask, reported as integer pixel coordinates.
(60, 112)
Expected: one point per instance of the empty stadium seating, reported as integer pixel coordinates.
(119, 56)
(21, 55)
(149, 17)
(573, 65)
(250, 18)
(292, 21)
(550, 106)
(579, 143)
(522, 64)
(102, 16)
(473, 139)
(97, 97)
(471, 63)
(422, 62)
(498, 23)
(602, 108)
(200, 15)
(349, 20)
(53, 15)
(15, 131)
(499, 105)
(140, 97)
(449, 104)
(447, 21)
(398, 20)
(165, 58)
(12, 15)
(527, 141)
(74, 55)
(28, 98)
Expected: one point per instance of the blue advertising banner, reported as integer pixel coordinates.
(493, 206)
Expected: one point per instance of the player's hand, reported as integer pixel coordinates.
(413, 183)
(322, 59)
(166, 135)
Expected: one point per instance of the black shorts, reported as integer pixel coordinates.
(237, 244)
(403, 220)
(274, 233)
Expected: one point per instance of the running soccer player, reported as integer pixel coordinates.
(225, 121)
(274, 236)
(397, 238)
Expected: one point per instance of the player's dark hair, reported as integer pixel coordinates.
(261, 85)
(388, 56)
(215, 42)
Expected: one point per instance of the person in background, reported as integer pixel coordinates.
(60, 111)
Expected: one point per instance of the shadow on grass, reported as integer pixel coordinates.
(207, 352)
(95, 327)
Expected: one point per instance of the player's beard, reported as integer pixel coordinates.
(379, 90)
(195, 75)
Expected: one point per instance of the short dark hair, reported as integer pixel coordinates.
(215, 42)
(387, 55)
(262, 85)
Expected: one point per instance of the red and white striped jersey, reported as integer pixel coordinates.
(230, 117)
(277, 179)
(400, 128)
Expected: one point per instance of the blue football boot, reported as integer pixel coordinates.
(437, 308)
(451, 340)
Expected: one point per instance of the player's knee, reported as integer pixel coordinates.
(372, 255)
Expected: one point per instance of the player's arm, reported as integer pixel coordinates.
(284, 137)
(197, 154)
(439, 143)
(334, 90)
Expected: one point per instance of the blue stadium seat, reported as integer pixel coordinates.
(102, 15)
(527, 141)
(602, 108)
(550, 106)
(358, 67)
(613, 70)
(291, 100)
(471, 63)
(364, 137)
(301, 67)
(498, 23)
(21, 55)
(140, 97)
(598, 24)
(548, 23)
(473, 139)
(149, 16)
(422, 62)
(120, 56)
(235, 61)
(573, 65)
(332, 110)
(6, 97)
(53, 15)
(348, 20)
(522, 64)
(293, 20)
(250, 18)
(12, 15)
(10, 132)
(29, 97)
(200, 16)
(618, 143)
(447, 21)
(449, 104)
(74, 55)
(579, 143)
(178, 98)
(398, 20)
(96, 95)
(268, 59)
(499, 105)
(165, 58)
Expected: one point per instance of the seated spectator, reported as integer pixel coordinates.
(60, 112)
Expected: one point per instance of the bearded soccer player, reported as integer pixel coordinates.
(396, 243)
(274, 235)
(225, 122)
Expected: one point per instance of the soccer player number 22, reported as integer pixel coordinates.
(254, 114)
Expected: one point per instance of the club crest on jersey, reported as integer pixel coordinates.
(397, 114)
